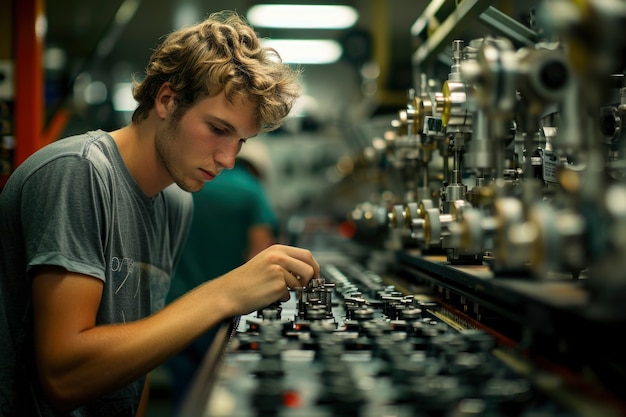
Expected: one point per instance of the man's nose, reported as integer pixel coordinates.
(226, 157)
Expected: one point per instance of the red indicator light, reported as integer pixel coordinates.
(291, 399)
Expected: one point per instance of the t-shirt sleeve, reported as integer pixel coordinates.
(63, 215)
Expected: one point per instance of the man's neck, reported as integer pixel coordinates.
(136, 145)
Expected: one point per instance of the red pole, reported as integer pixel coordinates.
(29, 30)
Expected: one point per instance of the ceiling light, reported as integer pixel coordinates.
(302, 16)
(306, 51)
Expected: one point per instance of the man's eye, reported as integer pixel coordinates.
(218, 131)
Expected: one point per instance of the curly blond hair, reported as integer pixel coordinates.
(220, 54)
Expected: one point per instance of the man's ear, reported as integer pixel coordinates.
(164, 100)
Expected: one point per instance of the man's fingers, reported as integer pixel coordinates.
(301, 271)
(301, 262)
(285, 297)
(294, 281)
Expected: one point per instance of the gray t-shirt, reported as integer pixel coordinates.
(74, 204)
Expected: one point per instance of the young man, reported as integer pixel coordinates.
(91, 227)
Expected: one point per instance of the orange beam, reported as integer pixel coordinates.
(54, 128)
(29, 78)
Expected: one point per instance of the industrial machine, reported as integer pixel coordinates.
(487, 275)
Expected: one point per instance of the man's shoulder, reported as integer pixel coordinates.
(81, 145)
(76, 143)
(70, 156)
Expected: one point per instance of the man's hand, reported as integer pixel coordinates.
(269, 276)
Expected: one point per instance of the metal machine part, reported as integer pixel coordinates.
(381, 351)
(527, 230)
(499, 109)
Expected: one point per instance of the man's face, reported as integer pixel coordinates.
(205, 140)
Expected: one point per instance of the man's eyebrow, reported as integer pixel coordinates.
(225, 123)
(228, 125)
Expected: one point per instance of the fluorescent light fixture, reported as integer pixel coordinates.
(306, 51)
(302, 16)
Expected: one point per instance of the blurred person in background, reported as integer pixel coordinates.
(233, 221)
